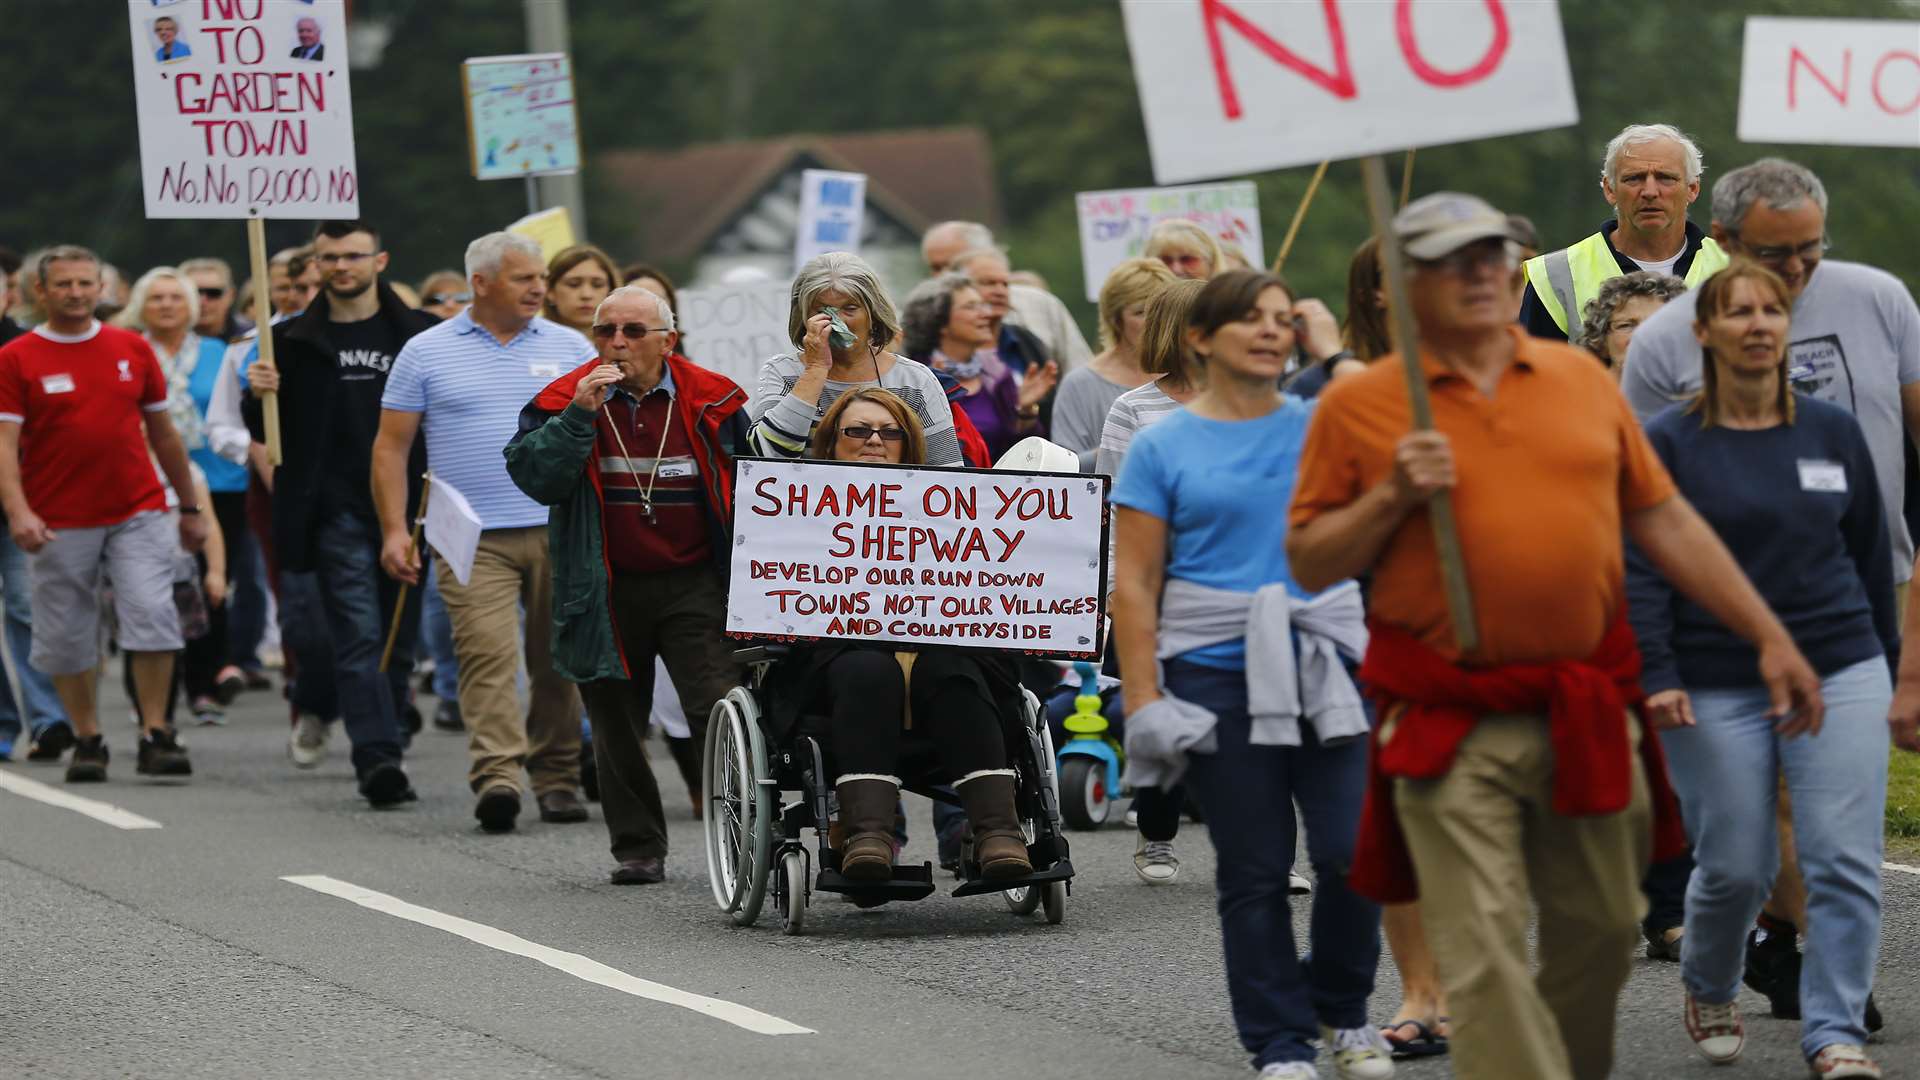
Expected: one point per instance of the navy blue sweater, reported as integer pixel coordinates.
(1819, 556)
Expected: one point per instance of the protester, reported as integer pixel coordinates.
(1015, 346)
(947, 326)
(1818, 552)
(214, 280)
(81, 408)
(10, 263)
(648, 559)
(1623, 303)
(1031, 306)
(1188, 250)
(334, 361)
(1542, 483)
(113, 293)
(795, 389)
(1650, 176)
(443, 293)
(463, 383)
(578, 278)
(295, 280)
(1087, 393)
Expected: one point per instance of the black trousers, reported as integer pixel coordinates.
(867, 693)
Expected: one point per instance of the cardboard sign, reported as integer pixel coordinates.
(551, 228)
(1842, 82)
(736, 329)
(1230, 87)
(833, 208)
(918, 556)
(1114, 224)
(521, 119)
(244, 108)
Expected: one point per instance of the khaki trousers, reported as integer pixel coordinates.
(1487, 847)
(511, 572)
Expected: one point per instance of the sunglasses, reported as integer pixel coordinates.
(861, 433)
(209, 292)
(436, 299)
(633, 330)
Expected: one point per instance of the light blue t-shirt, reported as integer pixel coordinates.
(1222, 487)
(471, 389)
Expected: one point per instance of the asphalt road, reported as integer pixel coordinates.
(415, 946)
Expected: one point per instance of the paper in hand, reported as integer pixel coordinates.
(838, 334)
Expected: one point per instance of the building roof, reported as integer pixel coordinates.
(682, 198)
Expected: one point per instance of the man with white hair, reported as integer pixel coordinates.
(1650, 176)
(1035, 309)
(463, 383)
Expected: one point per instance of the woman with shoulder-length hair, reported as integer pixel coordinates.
(1788, 483)
(841, 323)
(578, 278)
(1087, 393)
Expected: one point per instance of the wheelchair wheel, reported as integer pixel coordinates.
(1084, 798)
(740, 808)
(1054, 897)
(793, 889)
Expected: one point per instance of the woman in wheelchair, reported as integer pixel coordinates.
(866, 700)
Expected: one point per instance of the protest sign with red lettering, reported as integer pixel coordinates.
(735, 329)
(1114, 224)
(1841, 82)
(917, 556)
(1230, 87)
(244, 108)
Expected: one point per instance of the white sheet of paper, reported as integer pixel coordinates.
(453, 529)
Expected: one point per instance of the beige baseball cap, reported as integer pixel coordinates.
(1437, 225)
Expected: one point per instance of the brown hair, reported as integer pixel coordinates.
(1134, 281)
(826, 433)
(1365, 329)
(563, 263)
(1714, 297)
(1163, 343)
(1228, 297)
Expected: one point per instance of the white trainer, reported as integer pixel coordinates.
(1154, 861)
(1716, 1030)
(1298, 884)
(1290, 1070)
(1842, 1059)
(307, 745)
(1360, 1053)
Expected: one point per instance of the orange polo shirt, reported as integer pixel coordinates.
(1545, 466)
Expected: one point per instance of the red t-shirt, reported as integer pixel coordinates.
(81, 403)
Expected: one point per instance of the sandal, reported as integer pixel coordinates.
(1423, 1043)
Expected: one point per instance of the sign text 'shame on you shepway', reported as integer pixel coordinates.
(1114, 224)
(1839, 82)
(919, 556)
(1230, 87)
(244, 108)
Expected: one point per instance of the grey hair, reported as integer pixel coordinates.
(485, 254)
(975, 234)
(926, 311)
(971, 254)
(208, 262)
(663, 310)
(1617, 291)
(134, 315)
(844, 272)
(63, 253)
(1783, 184)
(1639, 135)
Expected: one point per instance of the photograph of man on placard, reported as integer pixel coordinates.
(166, 35)
(307, 30)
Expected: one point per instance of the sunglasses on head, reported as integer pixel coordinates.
(634, 331)
(861, 433)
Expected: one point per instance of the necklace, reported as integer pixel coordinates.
(653, 474)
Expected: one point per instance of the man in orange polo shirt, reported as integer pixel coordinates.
(1546, 465)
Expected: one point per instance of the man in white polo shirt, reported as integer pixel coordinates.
(464, 383)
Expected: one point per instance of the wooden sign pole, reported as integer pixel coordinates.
(263, 320)
(1406, 181)
(400, 599)
(1406, 334)
(1300, 215)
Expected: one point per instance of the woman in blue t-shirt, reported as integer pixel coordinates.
(1257, 700)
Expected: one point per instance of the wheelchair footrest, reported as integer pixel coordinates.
(1059, 871)
(907, 883)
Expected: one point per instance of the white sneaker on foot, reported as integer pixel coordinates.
(1298, 884)
(1842, 1059)
(1716, 1030)
(1289, 1070)
(1133, 818)
(1360, 1053)
(307, 744)
(1154, 861)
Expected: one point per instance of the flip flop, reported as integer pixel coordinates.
(1424, 1042)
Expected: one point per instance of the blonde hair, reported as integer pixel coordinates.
(134, 316)
(1163, 344)
(826, 433)
(1184, 234)
(1134, 281)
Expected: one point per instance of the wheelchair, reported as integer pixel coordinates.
(753, 828)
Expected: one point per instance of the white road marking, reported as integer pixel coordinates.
(573, 964)
(1902, 867)
(93, 808)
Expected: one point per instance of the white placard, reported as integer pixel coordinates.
(1230, 87)
(521, 117)
(920, 556)
(736, 329)
(1114, 224)
(1841, 82)
(452, 528)
(244, 108)
(833, 208)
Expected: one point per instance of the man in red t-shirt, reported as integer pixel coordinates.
(81, 404)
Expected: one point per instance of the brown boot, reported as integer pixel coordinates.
(866, 811)
(999, 845)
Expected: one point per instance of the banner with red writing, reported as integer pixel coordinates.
(969, 557)
(244, 108)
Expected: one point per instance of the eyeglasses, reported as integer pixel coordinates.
(1466, 260)
(1777, 254)
(436, 299)
(861, 433)
(634, 331)
(211, 292)
(334, 258)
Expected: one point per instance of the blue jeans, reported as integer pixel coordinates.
(1724, 768)
(436, 627)
(36, 690)
(1249, 794)
(303, 634)
(357, 596)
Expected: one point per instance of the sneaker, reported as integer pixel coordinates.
(51, 742)
(1842, 1059)
(1298, 885)
(1360, 1053)
(1716, 1030)
(1773, 969)
(1154, 861)
(162, 755)
(447, 717)
(386, 785)
(228, 684)
(208, 713)
(89, 764)
(1290, 1070)
(307, 744)
(1133, 818)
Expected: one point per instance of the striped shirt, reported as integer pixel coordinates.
(783, 426)
(655, 511)
(470, 390)
(1133, 412)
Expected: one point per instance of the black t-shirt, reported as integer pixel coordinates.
(366, 350)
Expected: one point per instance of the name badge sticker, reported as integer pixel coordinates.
(1823, 476)
(676, 470)
(57, 384)
(544, 371)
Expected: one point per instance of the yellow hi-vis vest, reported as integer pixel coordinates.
(1567, 279)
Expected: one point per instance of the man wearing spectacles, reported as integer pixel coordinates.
(218, 319)
(1651, 176)
(637, 448)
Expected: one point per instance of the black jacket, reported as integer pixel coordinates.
(308, 365)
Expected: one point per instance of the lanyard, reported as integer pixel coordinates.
(653, 475)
